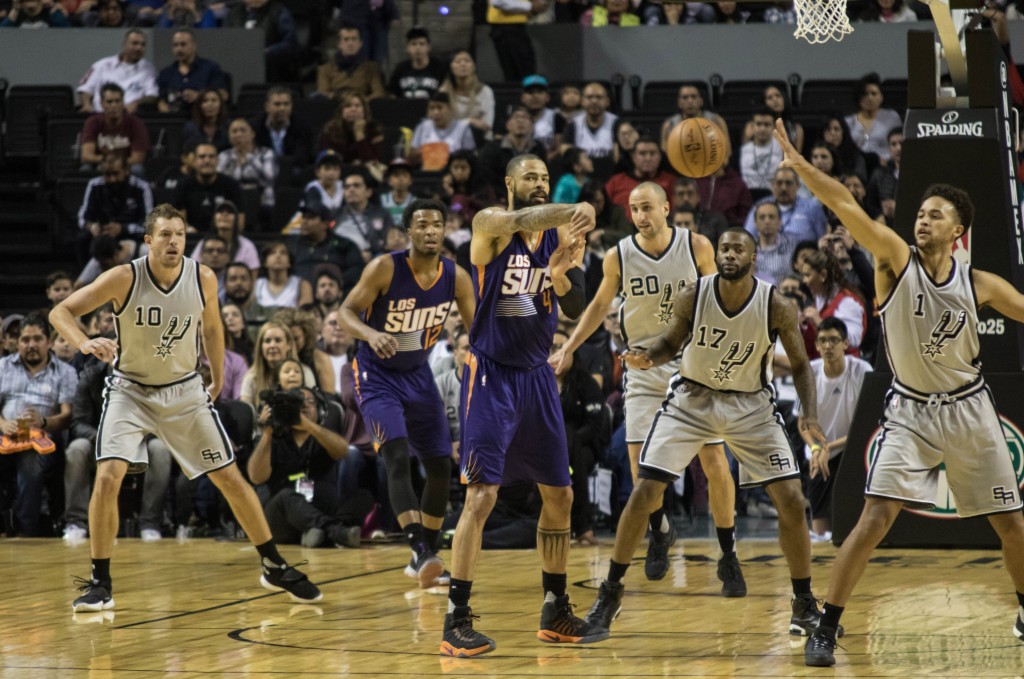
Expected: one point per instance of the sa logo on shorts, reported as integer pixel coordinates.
(945, 507)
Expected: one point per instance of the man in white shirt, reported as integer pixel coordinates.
(135, 75)
(838, 379)
(761, 155)
(440, 127)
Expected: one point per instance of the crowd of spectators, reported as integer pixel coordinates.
(283, 275)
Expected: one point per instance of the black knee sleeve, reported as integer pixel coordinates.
(400, 490)
(435, 491)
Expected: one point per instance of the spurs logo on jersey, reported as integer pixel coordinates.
(649, 285)
(171, 336)
(946, 330)
(732, 360)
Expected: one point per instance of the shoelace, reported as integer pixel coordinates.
(460, 629)
(83, 585)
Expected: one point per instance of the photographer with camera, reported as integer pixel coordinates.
(294, 461)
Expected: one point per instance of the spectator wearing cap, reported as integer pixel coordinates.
(518, 139)
(440, 134)
(512, 43)
(34, 14)
(349, 69)
(315, 246)
(280, 42)
(362, 222)
(225, 225)
(399, 180)
(115, 204)
(420, 75)
(114, 131)
(548, 124)
(471, 98)
(135, 75)
(9, 330)
(38, 388)
(353, 133)
(289, 136)
(199, 194)
(181, 83)
(326, 190)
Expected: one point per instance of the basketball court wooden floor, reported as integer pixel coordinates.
(197, 610)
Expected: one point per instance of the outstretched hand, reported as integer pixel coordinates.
(790, 155)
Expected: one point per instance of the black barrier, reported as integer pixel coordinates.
(920, 528)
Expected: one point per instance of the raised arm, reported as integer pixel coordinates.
(594, 315)
(785, 321)
(375, 281)
(111, 286)
(499, 222)
(213, 330)
(667, 346)
(890, 251)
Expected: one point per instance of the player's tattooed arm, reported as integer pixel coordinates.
(499, 222)
(666, 347)
(785, 321)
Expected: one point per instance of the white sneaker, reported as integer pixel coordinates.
(150, 535)
(73, 533)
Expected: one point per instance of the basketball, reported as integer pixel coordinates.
(696, 147)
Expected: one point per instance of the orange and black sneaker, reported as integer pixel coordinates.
(460, 640)
(558, 625)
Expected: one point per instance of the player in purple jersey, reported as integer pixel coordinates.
(512, 427)
(404, 298)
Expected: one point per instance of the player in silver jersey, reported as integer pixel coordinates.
(726, 325)
(165, 304)
(938, 394)
(648, 269)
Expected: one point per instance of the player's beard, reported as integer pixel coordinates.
(739, 273)
(519, 202)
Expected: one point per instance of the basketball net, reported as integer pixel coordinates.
(818, 21)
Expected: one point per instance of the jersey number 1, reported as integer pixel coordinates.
(919, 305)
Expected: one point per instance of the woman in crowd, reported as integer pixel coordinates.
(225, 225)
(209, 122)
(277, 286)
(869, 126)
(304, 328)
(464, 184)
(776, 102)
(236, 333)
(612, 224)
(626, 135)
(833, 296)
(352, 133)
(471, 98)
(251, 165)
(274, 344)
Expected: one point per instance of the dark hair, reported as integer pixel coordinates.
(215, 237)
(517, 161)
(893, 132)
(184, 29)
(741, 231)
(422, 204)
(197, 109)
(329, 274)
(571, 157)
(279, 89)
(589, 191)
(772, 203)
(36, 320)
(338, 134)
(440, 98)
(764, 111)
(349, 26)
(798, 248)
(111, 87)
(58, 275)
(417, 32)
(162, 211)
(835, 277)
(240, 265)
(833, 323)
(269, 248)
(847, 151)
(786, 113)
(644, 138)
(837, 164)
(868, 79)
(686, 209)
(958, 197)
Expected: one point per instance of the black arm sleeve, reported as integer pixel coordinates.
(574, 301)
